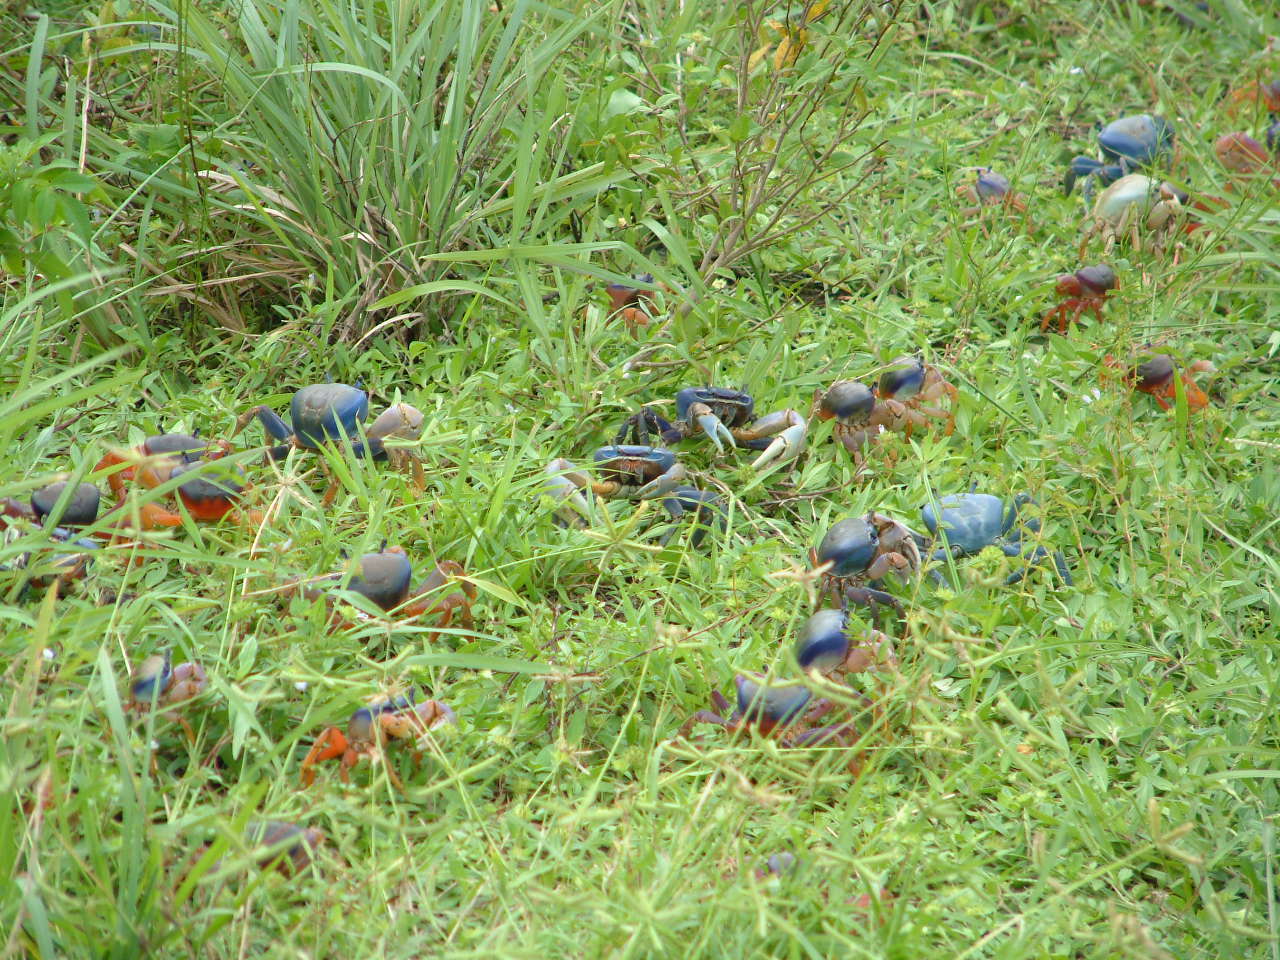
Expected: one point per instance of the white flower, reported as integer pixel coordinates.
(301, 686)
(49, 653)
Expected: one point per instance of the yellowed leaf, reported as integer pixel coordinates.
(788, 52)
(815, 11)
(757, 56)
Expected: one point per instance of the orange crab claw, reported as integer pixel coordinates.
(429, 604)
(117, 480)
(329, 745)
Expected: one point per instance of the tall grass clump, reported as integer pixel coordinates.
(373, 147)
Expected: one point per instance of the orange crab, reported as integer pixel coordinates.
(369, 730)
(1086, 289)
(1156, 377)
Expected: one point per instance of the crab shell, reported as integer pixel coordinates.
(1158, 201)
(904, 380)
(384, 578)
(846, 402)
(152, 678)
(1155, 373)
(991, 187)
(733, 407)
(826, 642)
(208, 488)
(972, 521)
(1093, 281)
(301, 844)
(633, 465)
(769, 706)
(1140, 139)
(188, 446)
(81, 508)
(327, 411)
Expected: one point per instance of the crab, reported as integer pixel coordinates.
(860, 417)
(330, 413)
(632, 304)
(158, 683)
(863, 550)
(1132, 206)
(990, 189)
(911, 381)
(777, 864)
(1127, 144)
(1158, 377)
(1265, 94)
(1086, 289)
(788, 713)
(385, 579)
(563, 485)
(632, 471)
(288, 847)
(209, 495)
(1244, 156)
(828, 646)
(970, 522)
(371, 728)
(44, 570)
(151, 462)
(722, 413)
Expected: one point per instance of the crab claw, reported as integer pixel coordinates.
(1080, 169)
(665, 484)
(563, 484)
(789, 441)
(712, 426)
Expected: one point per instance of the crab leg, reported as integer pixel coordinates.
(271, 422)
(332, 743)
(1039, 553)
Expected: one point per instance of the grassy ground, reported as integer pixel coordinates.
(1084, 772)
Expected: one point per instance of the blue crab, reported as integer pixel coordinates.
(330, 413)
(864, 550)
(1127, 144)
(828, 645)
(786, 712)
(722, 414)
(972, 521)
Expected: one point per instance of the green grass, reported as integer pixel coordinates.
(1084, 772)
